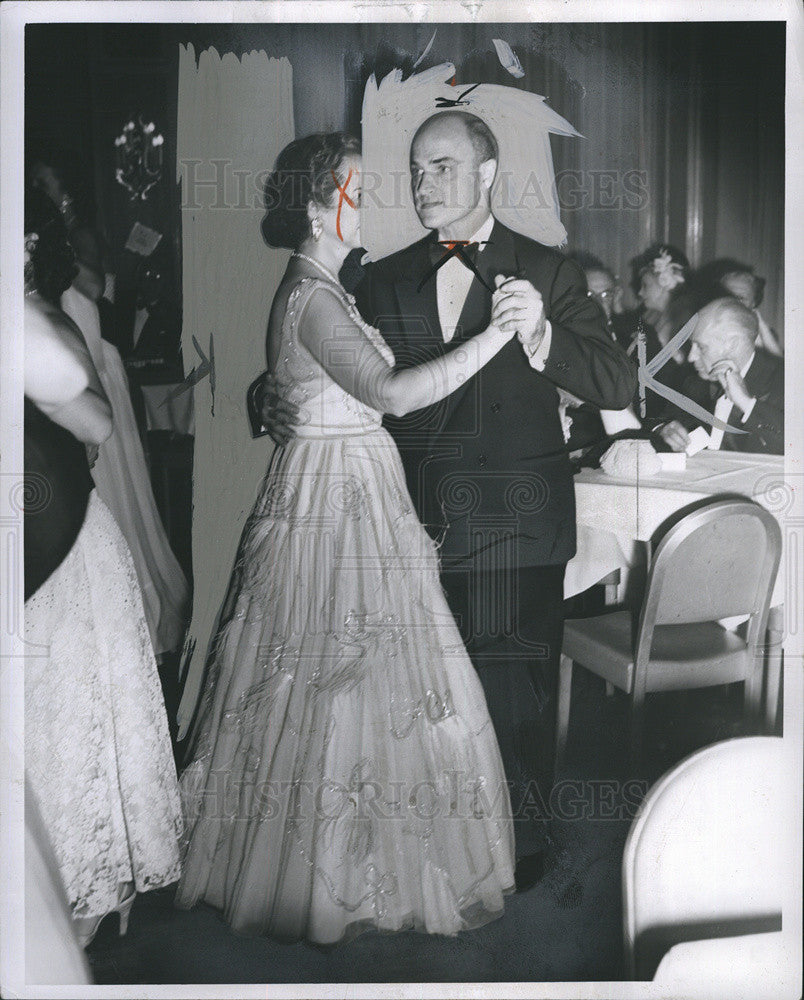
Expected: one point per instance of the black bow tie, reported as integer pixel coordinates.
(443, 250)
(440, 251)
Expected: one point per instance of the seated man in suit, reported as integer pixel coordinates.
(740, 384)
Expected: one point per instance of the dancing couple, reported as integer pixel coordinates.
(367, 714)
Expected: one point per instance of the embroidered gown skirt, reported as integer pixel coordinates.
(345, 774)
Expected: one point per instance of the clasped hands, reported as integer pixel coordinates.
(516, 307)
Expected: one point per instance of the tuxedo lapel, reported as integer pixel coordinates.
(418, 307)
(498, 256)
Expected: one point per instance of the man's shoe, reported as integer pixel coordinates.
(529, 870)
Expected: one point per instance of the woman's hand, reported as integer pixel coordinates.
(503, 312)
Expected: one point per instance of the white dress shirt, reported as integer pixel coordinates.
(453, 281)
(723, 408)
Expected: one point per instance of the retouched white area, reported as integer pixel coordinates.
(524, 195)
(239, 111)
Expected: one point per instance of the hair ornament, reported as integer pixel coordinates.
(669, 273)
(31, 240)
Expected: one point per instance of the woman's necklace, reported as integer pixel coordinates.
(350, 299)
(321, 267)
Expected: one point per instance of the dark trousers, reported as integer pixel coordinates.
(512, 623)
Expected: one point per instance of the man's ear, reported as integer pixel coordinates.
(487, 170)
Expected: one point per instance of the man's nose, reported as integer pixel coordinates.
(423, 184)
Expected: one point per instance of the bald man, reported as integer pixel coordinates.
(734, 380)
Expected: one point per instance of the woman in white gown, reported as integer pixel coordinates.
(344, 772)
(98, 758)
(120, 472)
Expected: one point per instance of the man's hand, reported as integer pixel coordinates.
(522, 310)
(733, 384)
(674, 435)
(278, 416)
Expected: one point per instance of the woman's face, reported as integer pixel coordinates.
(342, 220)
(651, 294)
(46, 179)
(742, 287)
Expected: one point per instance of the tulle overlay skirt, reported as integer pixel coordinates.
(98, 758)
(345, 774)
(121, 476)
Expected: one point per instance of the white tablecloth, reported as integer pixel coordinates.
(615, 515)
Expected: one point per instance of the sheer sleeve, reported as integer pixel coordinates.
(336, 338)
(340, 345)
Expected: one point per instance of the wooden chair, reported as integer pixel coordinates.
(717, 562)
(710, 852)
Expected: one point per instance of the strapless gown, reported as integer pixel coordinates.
(345, 774)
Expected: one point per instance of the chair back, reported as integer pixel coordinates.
(710, 851)
(717, 562)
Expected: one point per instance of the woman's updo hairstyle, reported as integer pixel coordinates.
(666, 262)
(49, 259)
(303, 173)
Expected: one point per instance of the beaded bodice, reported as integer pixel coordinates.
(324, 407)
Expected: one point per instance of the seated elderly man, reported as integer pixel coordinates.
(740, 384)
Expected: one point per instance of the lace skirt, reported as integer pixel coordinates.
(97, 750)
(345, 772)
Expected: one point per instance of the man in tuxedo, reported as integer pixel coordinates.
(737, 382)
(487, 467)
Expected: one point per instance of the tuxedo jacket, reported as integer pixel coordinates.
(765, 425)
(487, 467)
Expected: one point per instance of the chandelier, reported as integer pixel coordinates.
(138, 157)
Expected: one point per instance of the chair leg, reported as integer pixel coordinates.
(611, 590)
(773, 667)
(563, 709)
(752, 695)
(636, 727)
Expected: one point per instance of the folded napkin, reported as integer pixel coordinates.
(630, 459)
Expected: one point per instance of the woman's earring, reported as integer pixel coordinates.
(317, 228)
